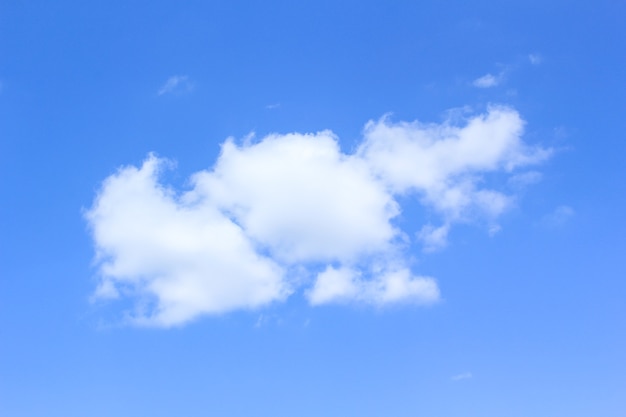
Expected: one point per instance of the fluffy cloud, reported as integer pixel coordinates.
(256, 226)
(443, 163)
(301, 197)
(344, 284)
(183, 259)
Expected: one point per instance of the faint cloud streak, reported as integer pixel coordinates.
(460, 377)
(535, 59)
(525, 179)
(176, 84)
(559, 217)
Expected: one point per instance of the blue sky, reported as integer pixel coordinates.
(312, 208)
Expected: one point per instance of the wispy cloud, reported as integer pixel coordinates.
(535, 59)
(294, 213)
(176, 84)
(524, 179)
(558, 217)
(272, 106)
(265, 320)
(488, 80)
(434, 238)
(460, 377)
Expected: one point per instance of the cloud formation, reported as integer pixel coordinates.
(525, 179)
(487, 81)
(176, 84)
(294, 212)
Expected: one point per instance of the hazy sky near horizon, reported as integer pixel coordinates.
(312, 208)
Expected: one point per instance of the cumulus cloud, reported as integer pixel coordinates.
(442, 162)
(345, 285)
(301, 197)
(293, 212)
(186, 259)
(176, 84)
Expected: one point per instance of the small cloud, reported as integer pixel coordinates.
(460, 377)
(558, 218)
(176, 84)
(525, 179)
(272, 106)
(345, 285)
(433, 238)
(535, 59)
(487, 81)
(494, 229)
(262, 321)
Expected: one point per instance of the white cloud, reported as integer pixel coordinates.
(335, 285)
(443, 163)
(460, 377)
(176, 84)
(186, 259)
(302, 198)
(434, 238)
(253, 228)
(347, 285)
(487, 81)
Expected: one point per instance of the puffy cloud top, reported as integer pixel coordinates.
(301, 197)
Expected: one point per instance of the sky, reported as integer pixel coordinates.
(312, 208)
